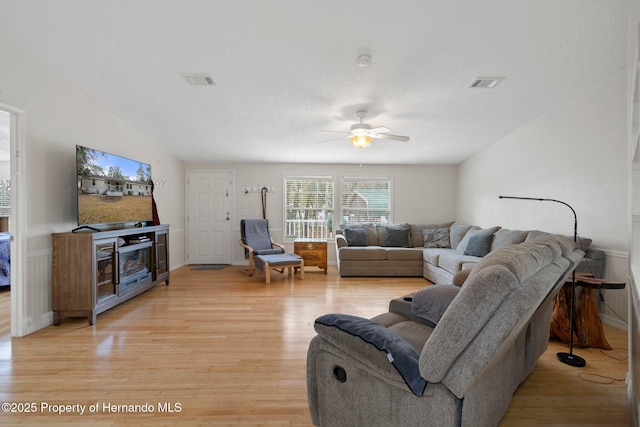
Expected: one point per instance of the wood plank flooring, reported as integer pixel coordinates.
(224, 349)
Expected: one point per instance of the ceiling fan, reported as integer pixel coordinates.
(361, 134)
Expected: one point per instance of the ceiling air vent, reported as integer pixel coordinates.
(486, 82)
(199, 79)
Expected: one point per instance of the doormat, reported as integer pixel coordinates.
(209, 266)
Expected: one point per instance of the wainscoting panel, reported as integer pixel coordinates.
(614, 305)
(37, 293)
(633, 376)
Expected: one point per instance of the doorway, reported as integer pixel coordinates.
(5, 211)
(14, 129)
(209, 203)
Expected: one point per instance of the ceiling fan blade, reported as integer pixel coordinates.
(379, 129)
(335, 131)
(334, 139)
(391, 137)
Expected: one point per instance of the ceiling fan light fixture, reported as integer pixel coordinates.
(360, 141)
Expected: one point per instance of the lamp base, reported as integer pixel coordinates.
(571, 359)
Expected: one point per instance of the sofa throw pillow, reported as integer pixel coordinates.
(416, 236)
(462, 246)
(431, 302)
(382, 232)
(402, 355)
(436, 237)
(583, 243)
(355, 236)
(479, 245)
(457, 233)
(368, 227)
(505, 237)
(535, 234)
(397, 237)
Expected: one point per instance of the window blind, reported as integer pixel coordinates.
(366, 199)
(309, 208)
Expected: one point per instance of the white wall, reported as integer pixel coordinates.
(422, 194)
(58, 117)
(574, 152)
(4, 170)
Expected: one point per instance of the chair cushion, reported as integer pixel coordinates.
(256, 234)
(273, 251)
(370, 253)
(277, 260)
(432, 255)
(453, 261)
(404, 254)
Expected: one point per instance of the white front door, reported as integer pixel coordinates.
(209, 217)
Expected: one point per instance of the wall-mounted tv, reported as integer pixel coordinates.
(112, 189)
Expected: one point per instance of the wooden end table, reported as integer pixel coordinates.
(312, 251)
(587, 331)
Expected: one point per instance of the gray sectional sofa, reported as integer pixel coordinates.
(451, 358)
(436, 252)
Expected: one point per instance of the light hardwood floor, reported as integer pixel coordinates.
(221, 348)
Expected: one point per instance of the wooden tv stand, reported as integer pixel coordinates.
(95, 271)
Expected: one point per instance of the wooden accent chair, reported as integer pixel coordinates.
(256, 240)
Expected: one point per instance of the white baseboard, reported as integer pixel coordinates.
(615, 322)
(44, 320)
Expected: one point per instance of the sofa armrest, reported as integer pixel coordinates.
(341, 241)
(461, 276)
(374, 345)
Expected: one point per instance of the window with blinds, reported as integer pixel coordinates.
(365, 200)
(308, 207)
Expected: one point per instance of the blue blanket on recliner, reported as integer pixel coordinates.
(401, 354)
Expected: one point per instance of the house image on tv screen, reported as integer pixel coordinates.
(112, 189)
(106, 186)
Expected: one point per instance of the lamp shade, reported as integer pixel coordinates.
(360, 141)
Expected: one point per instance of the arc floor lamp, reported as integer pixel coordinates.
(567, 358)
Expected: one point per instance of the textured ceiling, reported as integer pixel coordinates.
(286, 69)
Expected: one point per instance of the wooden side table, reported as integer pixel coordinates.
(312, 251)
(588, 331)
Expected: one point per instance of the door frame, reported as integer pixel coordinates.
(18, 144)
(232, 208)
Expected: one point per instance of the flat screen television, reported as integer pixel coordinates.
(112, 189)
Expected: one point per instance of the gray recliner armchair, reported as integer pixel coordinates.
(449, 357)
